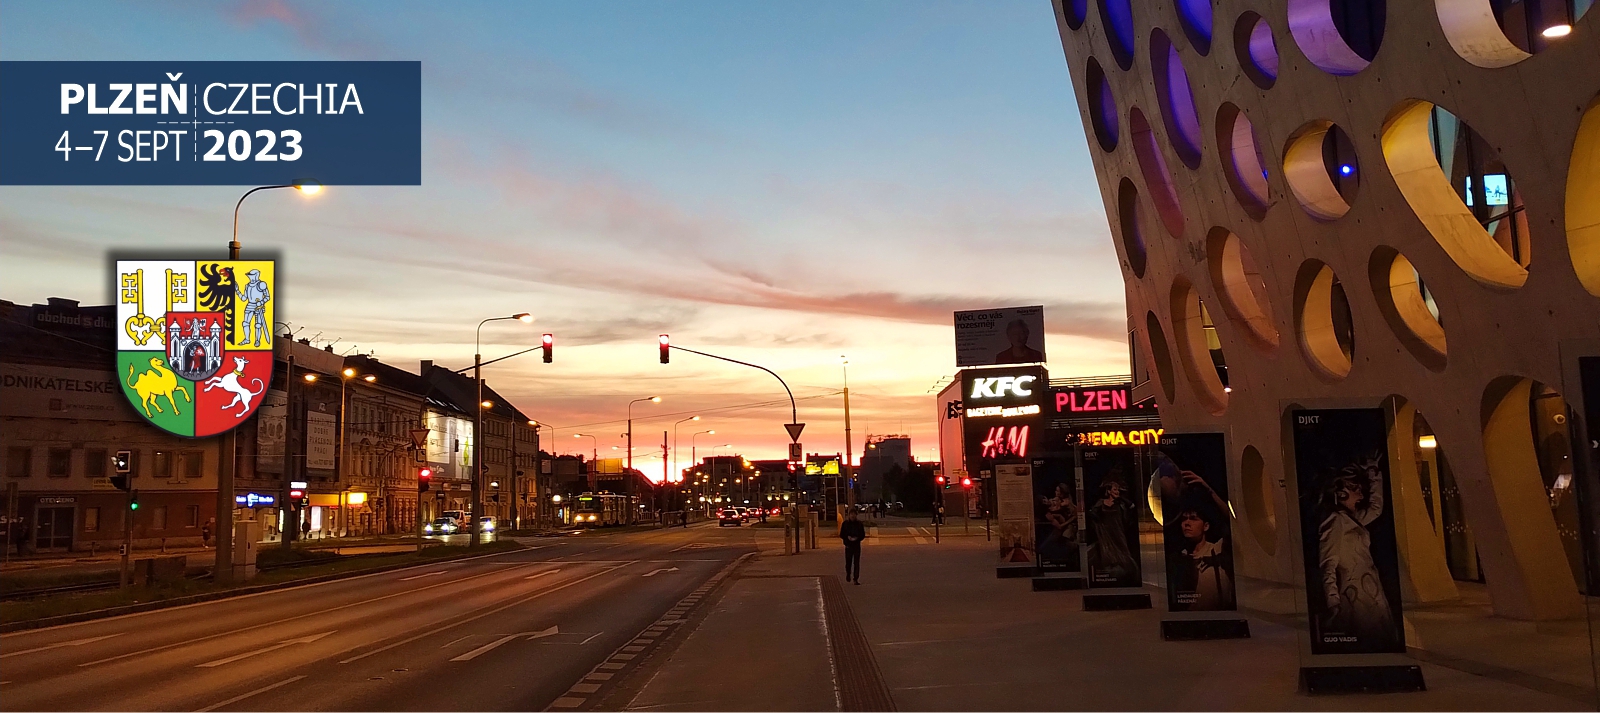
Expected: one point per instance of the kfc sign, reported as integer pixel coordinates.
(1004, 393)
(998, 386)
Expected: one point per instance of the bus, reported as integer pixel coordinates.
(601, 510)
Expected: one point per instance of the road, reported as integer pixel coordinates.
(502, 632)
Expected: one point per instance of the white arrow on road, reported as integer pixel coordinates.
(258, 652)
(486, 648)
(655, 572)
(78, 642)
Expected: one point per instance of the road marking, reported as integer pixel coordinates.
(537, 575)
(921, 540)
(238, 698)
(78, 642)
(457, 641)
(420, 576)
(659, 570)
(611, 666)
(592, 638)
(230, 632)
(258, 652)
(486, 648)
(584, 687)
(483, 613)
(567, 702)
(599, 676)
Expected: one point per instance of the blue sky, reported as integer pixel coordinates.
(779, 182)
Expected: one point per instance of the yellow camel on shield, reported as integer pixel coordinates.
(159, 381)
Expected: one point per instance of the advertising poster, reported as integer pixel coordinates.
(1111, 486)
(1057, 534)
(1191, 475)
(952, 450)
(1347, 531)
(322, 441)
(271, 434)
(1014, 493)
(1008, 335)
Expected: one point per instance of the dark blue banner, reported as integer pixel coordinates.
(210, 123)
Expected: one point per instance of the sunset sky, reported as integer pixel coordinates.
(781, 183)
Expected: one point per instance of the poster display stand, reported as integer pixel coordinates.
(1109, 519)
(1013, 484)
(1058, 533)
(1190, 478)
(1340, 494)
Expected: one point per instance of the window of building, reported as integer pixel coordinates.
(192, 464)
(158, 517)
(94, 462)
(19, 462)
(194, 516)
(161, 465)
(59, 462)
(91, 519)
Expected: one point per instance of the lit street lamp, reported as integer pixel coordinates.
(477, 427)
(627, 478)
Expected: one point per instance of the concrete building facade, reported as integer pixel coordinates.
(1328, 203)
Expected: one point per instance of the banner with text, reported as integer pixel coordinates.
(1008, 335)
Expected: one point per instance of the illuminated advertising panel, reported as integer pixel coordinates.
(1002, 411)
(1007, 335)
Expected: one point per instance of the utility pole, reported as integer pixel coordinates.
(126, 577)
(849, 470)
(666, 474)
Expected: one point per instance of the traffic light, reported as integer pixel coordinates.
(966, 483)
(122, 469)
(666, 349)
(133, 500)
(549, 347)
(297, 497)
(938, 480)
(424, 479)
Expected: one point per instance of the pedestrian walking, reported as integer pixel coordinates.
(852, 532)
(683, 517)
(305, 529)
(206, 530)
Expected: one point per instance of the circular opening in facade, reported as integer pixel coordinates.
(1459, 188)
(1256, 49)
(1407, 306)
(1583, 211)
(1196, 16)
(1340, 37)
(1243, 164)
(1160, 354)
(1199, 349)
(1238, 282)
(1260, 507)
(1131, 226)
(1320, 166)
(1176, 98)
(1323, 322)
(1073, 12)
(1153, 167)
(1496, 33)
(1117, 15)
(1102, 106)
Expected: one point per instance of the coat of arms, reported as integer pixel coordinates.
(194, 341)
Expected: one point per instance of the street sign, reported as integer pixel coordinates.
(794, 430)
(795, 451)
(419, 438)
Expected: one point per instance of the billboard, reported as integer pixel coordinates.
(1191, 475)
(1111, 485)
(1351, 558)
(1008, 335)
(952, 450)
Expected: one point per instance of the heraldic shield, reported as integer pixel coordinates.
(194, 341)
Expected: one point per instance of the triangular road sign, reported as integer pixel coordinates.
(794, 430)
(419, 438)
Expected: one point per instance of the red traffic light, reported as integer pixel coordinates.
(549, 347)
(666, 349)
(938, 479)
(424, 477)
(966, 483)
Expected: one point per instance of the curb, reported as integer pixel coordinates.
(107, 613)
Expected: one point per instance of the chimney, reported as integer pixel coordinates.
(426, 365)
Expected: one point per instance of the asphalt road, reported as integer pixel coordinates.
(503, 632)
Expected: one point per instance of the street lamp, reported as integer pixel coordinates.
(678, 472)
(477, 426)
(627, 478)
(229, 445)
(849, 470)
(595, 455)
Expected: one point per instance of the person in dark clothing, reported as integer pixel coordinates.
(852, 532)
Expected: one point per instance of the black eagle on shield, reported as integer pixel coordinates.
(217, 292)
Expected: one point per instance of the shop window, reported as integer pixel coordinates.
(91, 519)
(58, 463)
(95, 461)
(158, 517)
(193, 518)
(19, 462)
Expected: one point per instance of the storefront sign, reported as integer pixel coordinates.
(1093, 401)
(1117, 437)
(255, 500)
(1003, 393)
(57, 500)
(53, 392)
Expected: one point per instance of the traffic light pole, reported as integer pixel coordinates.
(125, 578)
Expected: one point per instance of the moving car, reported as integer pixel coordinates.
(441, 526)
(744, 514)
(485, 524)
(729, 516)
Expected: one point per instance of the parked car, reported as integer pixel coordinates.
(729, 516)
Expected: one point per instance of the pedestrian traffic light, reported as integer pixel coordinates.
(666, 349)
(133, 500)
(122, 469)
(297, 497)
(424, 479)
(549, 347)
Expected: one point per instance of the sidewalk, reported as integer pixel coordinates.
(945, 634)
